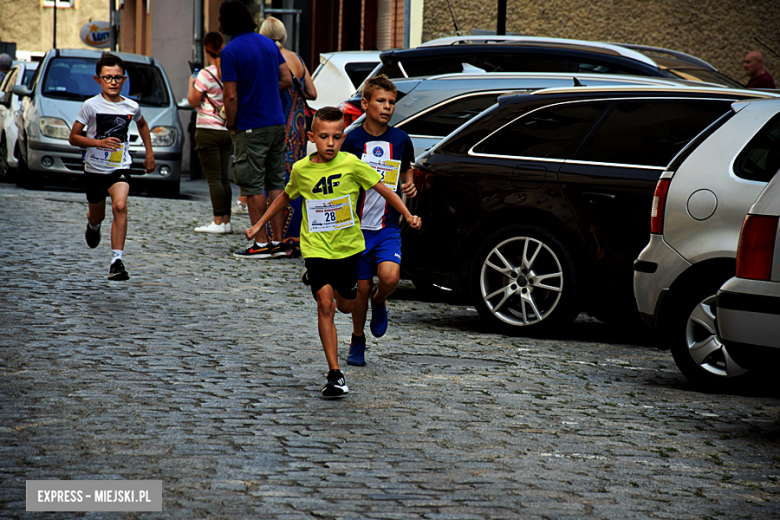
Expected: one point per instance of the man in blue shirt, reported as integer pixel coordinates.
(253, 73)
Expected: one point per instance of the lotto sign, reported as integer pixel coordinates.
(329, 215)
(96, 34)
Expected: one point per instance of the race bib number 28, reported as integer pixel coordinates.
(329, 215)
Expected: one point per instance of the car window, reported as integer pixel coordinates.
(424, 67)
(358, 71)
(7, 85)
(551, 133)
(596, 67)
(649, 132)
(760, 159)
(449, 116)
(28, 76)
(73, 78)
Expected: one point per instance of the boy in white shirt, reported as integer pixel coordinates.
(107, 118)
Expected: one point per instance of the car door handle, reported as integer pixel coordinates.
(595, 197)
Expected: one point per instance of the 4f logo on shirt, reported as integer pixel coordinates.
(378, 152)
(326, 184)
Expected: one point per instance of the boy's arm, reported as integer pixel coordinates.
(76, 139)
(276, 206)
(398, 204)
(407, 183)
(143, 131)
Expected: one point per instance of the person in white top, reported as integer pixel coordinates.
(107, 118)
(211, 135)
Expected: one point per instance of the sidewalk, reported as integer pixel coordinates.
(204, 371)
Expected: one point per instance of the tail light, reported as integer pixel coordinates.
(350, 111)
(422, 179)
(659, 205)
(756, 247)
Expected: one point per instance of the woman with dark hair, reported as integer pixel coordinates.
(293, 104)
(211, 136)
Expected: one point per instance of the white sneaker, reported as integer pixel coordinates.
(228, 228)
(239, 209)
(211, 227)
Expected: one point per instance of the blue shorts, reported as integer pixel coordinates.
(383, 245)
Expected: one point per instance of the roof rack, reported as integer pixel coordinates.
(480, 39)
(687, 58)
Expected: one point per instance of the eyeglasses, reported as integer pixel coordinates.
(112, 79)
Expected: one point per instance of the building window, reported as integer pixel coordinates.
(62, 4)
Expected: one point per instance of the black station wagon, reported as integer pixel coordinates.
(538, 206)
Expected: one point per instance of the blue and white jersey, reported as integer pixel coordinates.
(390, 154)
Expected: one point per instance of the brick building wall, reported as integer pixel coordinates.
(718, 31)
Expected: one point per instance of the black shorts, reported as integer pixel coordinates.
(97, 184)
(340, 274)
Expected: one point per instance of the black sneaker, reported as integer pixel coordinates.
(117, 272)
(336, 385)
(305, 277)
(277, 250)
(92, 236)
(254, 251)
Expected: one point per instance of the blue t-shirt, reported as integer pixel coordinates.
(374, 211)
(252, 61)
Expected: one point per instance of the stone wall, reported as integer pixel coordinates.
(718, 31)
(30, 25)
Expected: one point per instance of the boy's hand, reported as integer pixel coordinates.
(414, 221)
(409, 189)
(112, 143)
(149, 163)
(251, 232)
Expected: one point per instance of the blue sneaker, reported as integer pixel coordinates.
(378, 323)
(357, 351)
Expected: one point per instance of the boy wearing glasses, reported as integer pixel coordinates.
(107, 118)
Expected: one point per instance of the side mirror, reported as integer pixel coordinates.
(22, 91)
(184, 104)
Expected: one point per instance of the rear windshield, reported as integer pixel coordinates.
(73, 78)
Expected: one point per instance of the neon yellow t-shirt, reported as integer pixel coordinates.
(330, 225)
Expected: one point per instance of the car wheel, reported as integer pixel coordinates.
(5, 170)
(26, 178)
(523, 281)
(168, 190)
(695, 346)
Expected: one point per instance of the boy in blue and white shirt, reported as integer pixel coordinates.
(389, 151)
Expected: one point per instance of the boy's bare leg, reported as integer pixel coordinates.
(326, 310)
(96, 213)
(119, 193)
(389, 273)
(360, 310)
(277, 221)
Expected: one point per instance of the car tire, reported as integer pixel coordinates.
(688, 327)
(26, 178)
(166, 190)
(6, 173)
(523, 281)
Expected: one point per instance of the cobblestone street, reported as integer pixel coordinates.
(204, 371)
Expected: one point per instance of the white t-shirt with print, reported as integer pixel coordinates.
(103, 119)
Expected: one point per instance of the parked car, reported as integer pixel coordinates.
(698, 208)
(536, 54)
(339, 74)
(749, 303)
(63, 81)
(538, 206)
(430, 108)
(19, 74)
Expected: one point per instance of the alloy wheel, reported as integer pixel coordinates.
(521, 281)
(704, 346)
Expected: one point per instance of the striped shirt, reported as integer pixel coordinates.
(207, 83)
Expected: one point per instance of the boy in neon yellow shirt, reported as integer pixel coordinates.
(331, 240)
